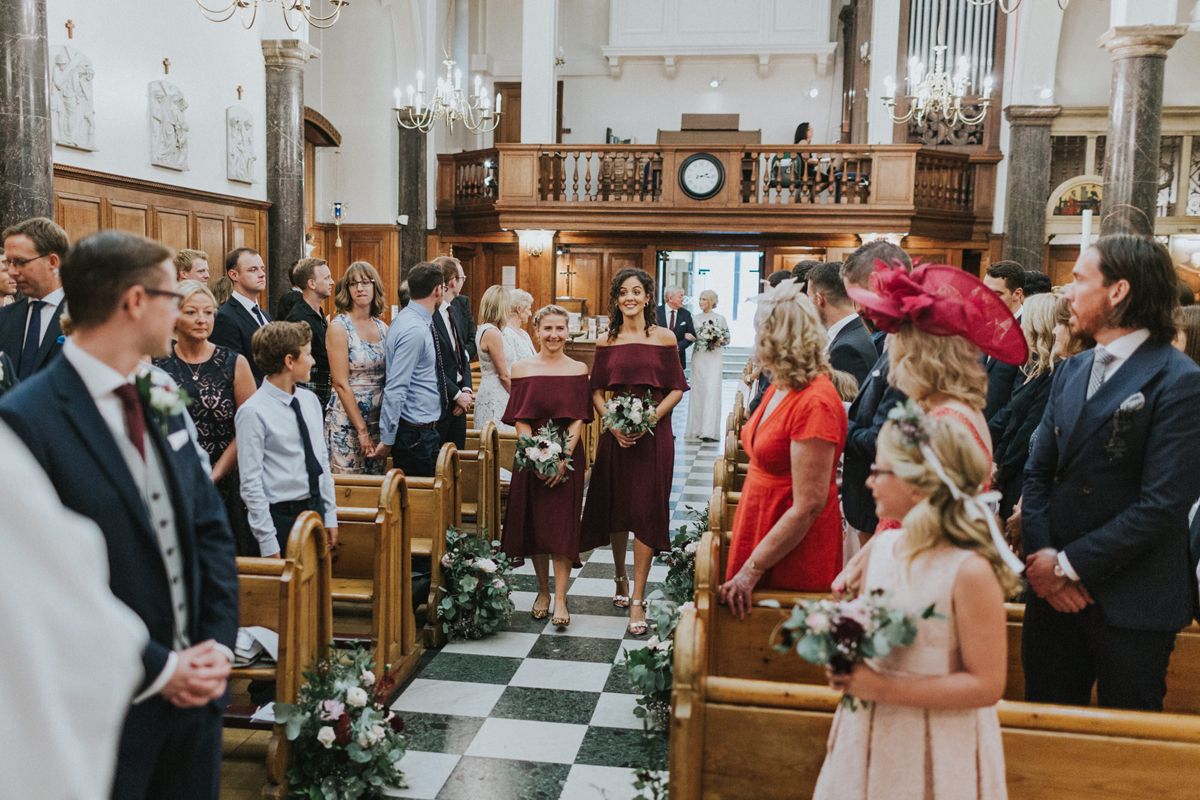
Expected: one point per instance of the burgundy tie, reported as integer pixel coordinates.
(135, 422)
(672, 320)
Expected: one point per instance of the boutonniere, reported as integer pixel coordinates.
(1122, 423)
(160, 394)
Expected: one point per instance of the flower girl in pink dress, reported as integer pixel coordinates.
(930, 731)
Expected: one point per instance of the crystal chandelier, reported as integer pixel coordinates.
(448, 104)
(1012, 5)
(250, 8)
(937, 92)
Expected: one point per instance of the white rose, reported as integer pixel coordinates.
(368, 677)
(554, 448)
(636, 405)
(533, 454)
(498, 584)
(363, 741)
(635, 417)
(817, 622)
(663, 645)
(691, 547)
(652, 641)
(447, 560)
(376, 734)
(356, 697)
(486, 565)
(326, 736)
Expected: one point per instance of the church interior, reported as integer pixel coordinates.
(548, 145)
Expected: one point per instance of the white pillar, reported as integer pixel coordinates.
(1143, 12)
(885, 49)
(539, 47)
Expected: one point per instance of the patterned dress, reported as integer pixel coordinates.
(492, 398)
(368, 366)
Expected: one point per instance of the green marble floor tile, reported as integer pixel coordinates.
(471, 668)
(576, 648)
(524, 583)
(439, 733)
(617, 747)
(523, 622)
(502, 779)
(618, 680)
(595, 606)
(546, 705)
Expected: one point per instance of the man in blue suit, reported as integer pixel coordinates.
(1108, 489)
(240, 316)
(30, 333)
(120, 456)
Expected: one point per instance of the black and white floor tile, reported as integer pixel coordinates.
(534, 712)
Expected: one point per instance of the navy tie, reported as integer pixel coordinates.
(310, 461)
(262, 320)
(33, 339)
(441, 373)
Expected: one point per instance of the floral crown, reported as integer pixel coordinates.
(914, 428)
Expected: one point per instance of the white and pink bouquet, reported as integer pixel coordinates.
(712, 335)
(631, 415)
(841, 633)
(542, 452)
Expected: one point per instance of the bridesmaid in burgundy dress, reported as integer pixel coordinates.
(542, 520)
(630, 489)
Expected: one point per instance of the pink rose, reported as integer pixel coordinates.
(857, 610)
(331, 710)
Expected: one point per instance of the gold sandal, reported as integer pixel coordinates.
(639, 628)
(622, 600)
(542, 613)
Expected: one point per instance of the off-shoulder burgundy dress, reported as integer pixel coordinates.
(630, 488)
(542, 519)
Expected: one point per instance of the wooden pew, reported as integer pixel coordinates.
(372, 566)
(722, 508)
(291, 596)
(479, 481)
(434, 504)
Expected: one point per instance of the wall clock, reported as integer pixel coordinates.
(701, 176)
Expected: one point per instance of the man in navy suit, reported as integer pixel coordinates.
(1007, 280)
(456, 363)
(875, 397)
(850, 347)
(677, 319)
(126, 462)
(30, 333)
(241, 316)
(1108, 489)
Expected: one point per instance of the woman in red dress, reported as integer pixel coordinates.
(630, 489)
(542, 520)
(788, 530)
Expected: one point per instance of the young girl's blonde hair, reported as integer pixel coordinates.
(940, 517)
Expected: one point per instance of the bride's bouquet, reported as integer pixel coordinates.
(840, 633)
(631, 415)
(542, 452)
(712, 335)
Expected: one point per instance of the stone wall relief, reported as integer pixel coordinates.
(168, 126)
(72, 115)
(239, 145)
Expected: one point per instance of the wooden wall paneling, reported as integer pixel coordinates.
(208, 234)
(79, 215)
(172, 227)
(509, 130)
(617, 260)
(243, 233)
(131, 217)
(378, 245)
(585, 270)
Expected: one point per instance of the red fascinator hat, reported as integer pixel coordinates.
(943, 301)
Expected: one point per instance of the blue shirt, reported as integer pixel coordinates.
(411, 392)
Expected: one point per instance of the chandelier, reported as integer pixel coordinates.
(250, 8)
(937, 92)
(1012, 5)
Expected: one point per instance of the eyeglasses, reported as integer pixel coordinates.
(163, 293)
(361, 283)
(20, 263)
(875, 471)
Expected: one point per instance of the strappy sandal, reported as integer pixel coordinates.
(621, 600)
(561, 622)
(537, 613)
(639, 628)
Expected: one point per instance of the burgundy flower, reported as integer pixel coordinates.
(343, 730)
(847, 631)
(397, 724)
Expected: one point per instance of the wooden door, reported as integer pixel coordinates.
(509, 129)
(579, 275)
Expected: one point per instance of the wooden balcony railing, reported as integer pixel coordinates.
(765, 187)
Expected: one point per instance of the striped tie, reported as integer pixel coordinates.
(1101, 358)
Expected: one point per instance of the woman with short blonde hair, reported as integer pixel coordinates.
(497, 344)
(787, 533)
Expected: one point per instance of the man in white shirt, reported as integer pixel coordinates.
(30, 332)
(1007, 280)
(282, 459)
(456, 363)
(849, 346)
(241, 316)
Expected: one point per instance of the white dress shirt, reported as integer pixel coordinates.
(271, 457)
(836, 328)
(1121, 349)
(248, 303)
(444, 310)
(45, 312)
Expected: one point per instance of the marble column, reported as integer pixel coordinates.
(1028, 183)
(1131, 152)
(26, 149)
(285, 60)
(413, 202)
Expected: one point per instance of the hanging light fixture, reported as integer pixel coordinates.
(290, 8)
(448, 103)
(1012, 5)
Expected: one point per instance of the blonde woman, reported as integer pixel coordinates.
(518, 317)
(787, 533)
(496, 344)
(1013, 425)
(357, 366)
(704, 404)
(927, 472)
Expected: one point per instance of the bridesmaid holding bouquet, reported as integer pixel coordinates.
(630, 489)
(542, 520)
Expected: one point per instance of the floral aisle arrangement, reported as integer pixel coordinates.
(542, 452)
(477, 582)
(347, 744)
(651, 668)
(840, 633)
(631, 415)
(712, 335)
(681, 558)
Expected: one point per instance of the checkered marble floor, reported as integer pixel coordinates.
(535, 713)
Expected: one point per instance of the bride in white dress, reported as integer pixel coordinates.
(501, 343)
(704, 400)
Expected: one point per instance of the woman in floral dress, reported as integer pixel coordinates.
(358, 366)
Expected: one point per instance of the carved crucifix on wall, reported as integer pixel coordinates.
(239, 93)
(70, 29)
(570, 274)
(166, 66)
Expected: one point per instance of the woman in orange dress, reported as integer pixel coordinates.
(788, 530)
